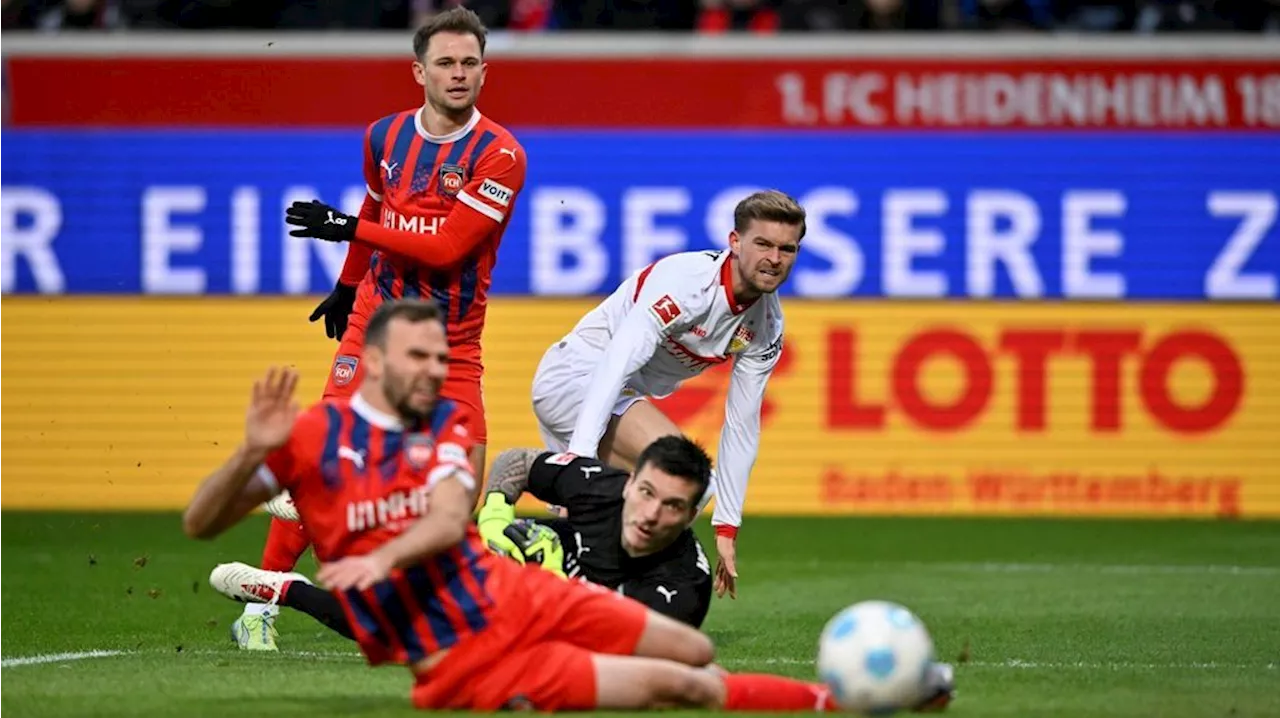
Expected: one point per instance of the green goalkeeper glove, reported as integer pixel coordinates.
(496, 516)
(539, 544)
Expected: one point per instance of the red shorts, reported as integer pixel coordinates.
(537, 651)
(463, 384)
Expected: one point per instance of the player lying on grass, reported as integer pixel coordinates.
(665, 324)
(626, 532)
(394, 535)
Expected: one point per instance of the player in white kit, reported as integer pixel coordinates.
(669, 322)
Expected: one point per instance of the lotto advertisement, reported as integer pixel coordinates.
(1029, 286)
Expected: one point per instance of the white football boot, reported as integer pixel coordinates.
(255, 630)
(281, 506)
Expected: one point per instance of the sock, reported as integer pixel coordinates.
(286, 542)
(317, 603)
(261, 609)
(764, 692)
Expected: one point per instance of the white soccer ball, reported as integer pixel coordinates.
(875, 657)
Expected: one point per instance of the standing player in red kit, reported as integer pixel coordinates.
(442, 183)
(385, 485)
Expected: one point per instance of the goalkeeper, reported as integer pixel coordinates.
(627, 532)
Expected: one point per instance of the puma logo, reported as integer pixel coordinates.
(340, 221)
(350, 454)
(666, 593)
(507, 151)
(388, 168)
(587, 471)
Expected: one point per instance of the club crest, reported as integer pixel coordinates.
(741, 339)
(344, 369)
(417, 450)
(451, 179)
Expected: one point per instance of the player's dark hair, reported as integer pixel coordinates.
(456, 19)
(414, 311)
(769, 206)
(679, 456)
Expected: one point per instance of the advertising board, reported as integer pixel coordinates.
(877, 407)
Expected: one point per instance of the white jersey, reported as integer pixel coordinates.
(670, 322)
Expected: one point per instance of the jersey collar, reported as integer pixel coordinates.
(726, 280)
(378, 418)
(452, 136)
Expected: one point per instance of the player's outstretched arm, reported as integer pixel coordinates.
(739, 445)
(227, 495)
(482, 205)
(238, 486)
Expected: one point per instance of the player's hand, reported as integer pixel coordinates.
(358, 572)
(336, 308)
(493, 521)
(726, 567)
(321, 221)
(538, 544)
(272, 411)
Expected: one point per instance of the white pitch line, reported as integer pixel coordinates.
(313, 655)
(1020, 664)
(1120, 569)
(1134, 570)
(57, 658)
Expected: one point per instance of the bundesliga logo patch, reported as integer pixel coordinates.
(451, 179)
(344, 369)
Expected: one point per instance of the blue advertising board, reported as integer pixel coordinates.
(1157, 216)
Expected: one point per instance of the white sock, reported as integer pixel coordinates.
(261, 609)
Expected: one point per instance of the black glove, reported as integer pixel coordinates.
(321, 221)
(335, 309)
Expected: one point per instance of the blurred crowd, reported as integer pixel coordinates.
(706, 16)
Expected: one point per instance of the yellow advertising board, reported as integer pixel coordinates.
(877, 407)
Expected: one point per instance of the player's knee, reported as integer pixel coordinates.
(668, 638)
(701, 650)
(691, 646)
(689, 687)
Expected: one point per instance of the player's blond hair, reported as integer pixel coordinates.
(769, 206)
(456, 19)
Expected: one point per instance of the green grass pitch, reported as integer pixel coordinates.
(1044, 618)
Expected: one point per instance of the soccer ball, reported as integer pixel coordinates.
(875, 657)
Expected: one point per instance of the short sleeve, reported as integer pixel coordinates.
(452, 453)
(285, 467)
(496, 180)
(372, 169)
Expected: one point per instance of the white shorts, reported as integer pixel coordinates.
(559, 386)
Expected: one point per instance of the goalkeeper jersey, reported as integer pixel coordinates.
(675, 581)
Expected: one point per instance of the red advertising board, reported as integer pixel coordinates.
(914, 90)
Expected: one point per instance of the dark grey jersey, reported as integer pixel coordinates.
(675, 581)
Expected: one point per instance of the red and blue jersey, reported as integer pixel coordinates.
(360, 478)
(470, 179)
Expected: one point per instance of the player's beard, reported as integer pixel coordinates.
(398, 390)
(755, 279)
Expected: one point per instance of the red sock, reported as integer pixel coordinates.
(286, 542)
(764, 692)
